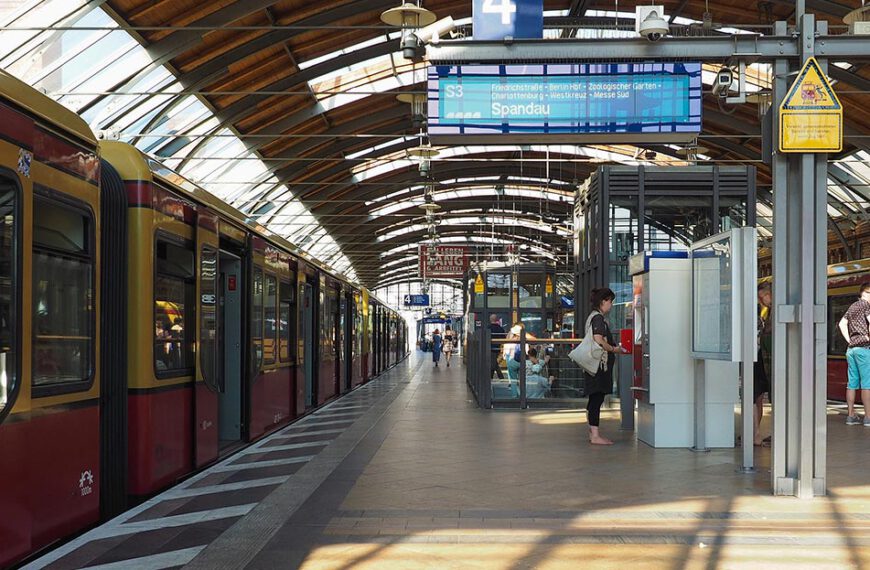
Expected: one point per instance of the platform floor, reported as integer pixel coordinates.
(407, 473)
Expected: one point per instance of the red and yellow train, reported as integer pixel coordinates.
(146, 329)
(844, 279)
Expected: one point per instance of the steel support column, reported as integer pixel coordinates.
(799, 298)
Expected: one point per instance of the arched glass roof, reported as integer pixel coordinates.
(290, 115)
(79, 67)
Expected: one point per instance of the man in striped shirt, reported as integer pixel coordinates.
(855, 327)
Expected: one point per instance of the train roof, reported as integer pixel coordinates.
(848, 267)
(44, 107)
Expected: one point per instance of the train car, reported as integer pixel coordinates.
(844, 280)
(199, 277)
(146, 329)
(50, 327)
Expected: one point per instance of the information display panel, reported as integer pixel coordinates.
(637, 101)
(723, 282)
(713, 301)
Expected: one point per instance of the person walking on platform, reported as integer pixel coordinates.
(437, 344)
(601, 383)
(496, 331)
(449, 339)
(855, 328)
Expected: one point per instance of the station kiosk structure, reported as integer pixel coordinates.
(664, 369)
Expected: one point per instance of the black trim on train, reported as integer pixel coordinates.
(14, 383)
(113, 343)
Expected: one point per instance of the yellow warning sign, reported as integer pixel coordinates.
(549, 286)
(478, 284)
(811, 116)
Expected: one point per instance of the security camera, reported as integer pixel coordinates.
(412, 45)
(433, 33)
(723, 81)
(650, 22)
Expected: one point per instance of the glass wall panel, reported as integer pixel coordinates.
(530, 290)
(498, 290)
(671, 223)
(732, 212)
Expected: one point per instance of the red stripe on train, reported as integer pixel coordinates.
(16, 127)
(62, 155)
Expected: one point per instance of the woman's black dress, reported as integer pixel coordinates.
(602, 381)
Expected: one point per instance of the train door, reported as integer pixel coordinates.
(350, 339)
(230, 319)
(205, 392)
(376, 341)
(309, 345)
(340, 341)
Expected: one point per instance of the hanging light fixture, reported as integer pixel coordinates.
(418, 108)
(691, 151)
(409, 17)
(423, 154)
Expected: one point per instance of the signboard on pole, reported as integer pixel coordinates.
(448, 261)
(811, 116)
(500, 19)
(416, 300)
(624, 102)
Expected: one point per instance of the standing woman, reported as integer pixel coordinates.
(601, 383)
(448, 344)
(436, 346)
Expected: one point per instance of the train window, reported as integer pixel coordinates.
(837, 307)
(174, 291)
(270, 315)
(286, 320)
(208, 314)
(63, 291)
(257, 317)
(8, 291)
(357, 326)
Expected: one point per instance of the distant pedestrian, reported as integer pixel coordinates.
(855, 328)
(436, 346)
(449, 341)
(601, 383)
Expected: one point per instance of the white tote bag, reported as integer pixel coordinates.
(589, 355)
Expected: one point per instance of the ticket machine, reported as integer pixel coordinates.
(664, 372)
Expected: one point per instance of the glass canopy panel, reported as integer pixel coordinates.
(110, 109)
(15, 44)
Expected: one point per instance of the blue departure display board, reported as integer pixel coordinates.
(654, 101)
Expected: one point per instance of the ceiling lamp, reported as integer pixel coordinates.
(423, 153)
(418, 108)
(409, 17)
(691, 152)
